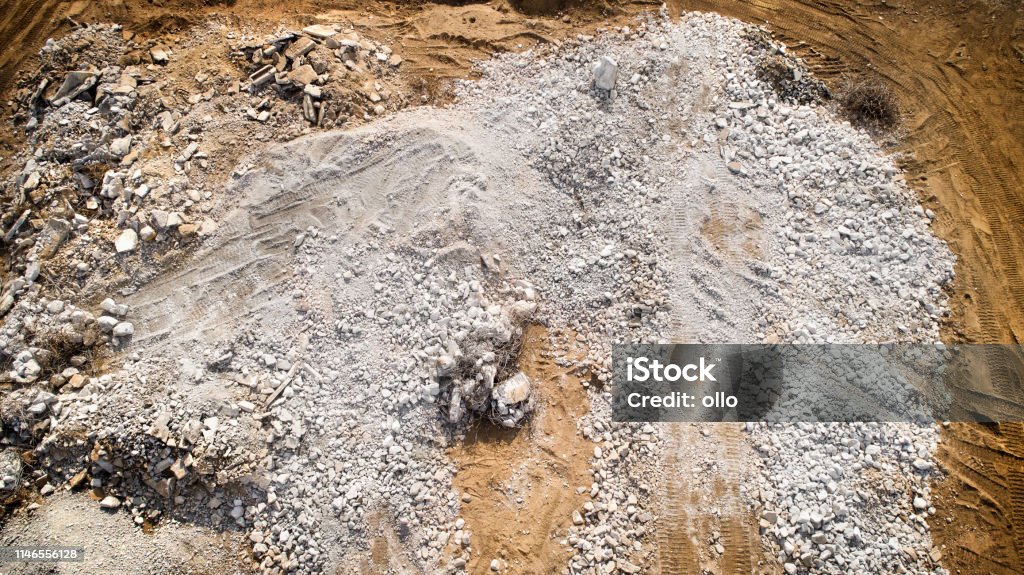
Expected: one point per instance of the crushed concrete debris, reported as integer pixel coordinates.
(350, 302)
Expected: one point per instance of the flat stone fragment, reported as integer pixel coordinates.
(319, 31)
(300, 47)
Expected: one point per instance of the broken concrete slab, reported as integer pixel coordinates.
(303, 75)
(320, 31)
(75, 83)
(300, 47)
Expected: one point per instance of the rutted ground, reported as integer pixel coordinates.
(957, 69)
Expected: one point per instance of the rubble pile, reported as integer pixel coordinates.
(787, 76)
(11, 470)
(679, 139)
(299, 335)
(809, 505)
(476, 369)
(304, 66)
(54, 346)
(126, 138)
(126, 141)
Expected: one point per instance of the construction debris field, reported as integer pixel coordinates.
(374, 163)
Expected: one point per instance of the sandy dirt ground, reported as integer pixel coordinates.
(703, 498)
(522, 484)
(956, 67)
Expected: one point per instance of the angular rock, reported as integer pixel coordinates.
(31, 182)
(300, 47)
(107, 323)
(113, 185)
(127, 241)
(159, 54)
(513, 390)
(303, 75)
(121, 146)
(606, 72)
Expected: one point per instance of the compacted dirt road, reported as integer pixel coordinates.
(957, 68)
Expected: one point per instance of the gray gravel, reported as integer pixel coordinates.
(291, 379)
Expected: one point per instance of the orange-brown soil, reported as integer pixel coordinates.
(522, 483)
(437, 41)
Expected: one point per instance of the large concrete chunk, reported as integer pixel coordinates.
(319, 31)
(303, 75)
(606, 72)
(74, 84)
(300, 47)
(513, 390)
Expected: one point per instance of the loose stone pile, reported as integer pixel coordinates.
(126, 140)
(839, 251)
(824, 513)
(300, 376)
